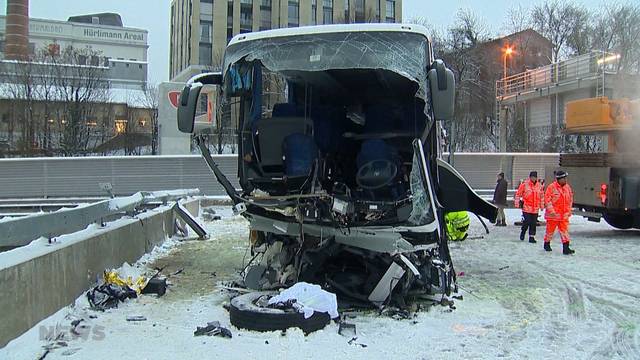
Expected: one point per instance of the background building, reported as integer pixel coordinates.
(122, 50)
(201, 29)
(74, 87)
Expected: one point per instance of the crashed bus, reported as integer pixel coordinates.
(339, 146)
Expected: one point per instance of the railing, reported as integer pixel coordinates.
(21, 231)
(593, 64)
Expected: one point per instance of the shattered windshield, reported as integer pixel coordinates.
(406, 54)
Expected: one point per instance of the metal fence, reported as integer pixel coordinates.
(81, 177)
(592, 64)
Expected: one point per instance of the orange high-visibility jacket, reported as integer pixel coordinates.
(558, 201)
(532, 196)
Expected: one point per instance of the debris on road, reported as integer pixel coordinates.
(252, 311)
(209, 214)
(136, 318)
(353, 342)
(213, 329)
(346, 329)
(107, 296)
(155, 286)
(308, 298)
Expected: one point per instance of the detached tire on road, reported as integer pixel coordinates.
(622, 222)
(245, 313)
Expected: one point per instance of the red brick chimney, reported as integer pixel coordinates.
(17, 30)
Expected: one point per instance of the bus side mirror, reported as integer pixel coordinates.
(442, 85)
(189, 99)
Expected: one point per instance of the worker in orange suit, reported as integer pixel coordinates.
(558, 200)
(530, 198)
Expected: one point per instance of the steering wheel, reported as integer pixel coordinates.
(376, 174)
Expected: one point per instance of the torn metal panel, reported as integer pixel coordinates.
(184, 214)
(386, 285)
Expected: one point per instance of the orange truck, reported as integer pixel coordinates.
(606, 185)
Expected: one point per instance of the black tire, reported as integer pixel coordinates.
(619, 221)
(245, 314)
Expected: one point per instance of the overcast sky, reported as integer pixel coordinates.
(153, 15)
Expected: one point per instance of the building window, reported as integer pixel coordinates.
(327, 11)
(391, 11)
(314, 12)
(294, 13)
(229, 20)
(205, 54)
(205, 31)
(360, 15)
(207, 1)
(265, 15)
(347, 12)
(246, 16)
(120, 126)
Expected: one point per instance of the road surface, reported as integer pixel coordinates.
(519, 303)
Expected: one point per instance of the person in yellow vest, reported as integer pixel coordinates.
(457, 224)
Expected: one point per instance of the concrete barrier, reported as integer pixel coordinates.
(33, 288)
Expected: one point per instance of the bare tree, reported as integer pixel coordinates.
(80, 83)
(518, 19)
(21, 80)
(557, 20)
(616, 29)
(151, 102)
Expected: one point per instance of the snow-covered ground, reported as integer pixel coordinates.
(519, 303)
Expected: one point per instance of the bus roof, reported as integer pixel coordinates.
(327, 29)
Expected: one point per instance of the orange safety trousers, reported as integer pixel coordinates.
(563, 229)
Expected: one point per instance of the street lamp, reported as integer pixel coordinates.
(508, 51)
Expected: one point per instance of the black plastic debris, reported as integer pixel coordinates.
(213, 329)
(107, 296)
(209, 214)
(346, 329)
(136, 318)
(353, 342)
(178, 272)
(156, 286)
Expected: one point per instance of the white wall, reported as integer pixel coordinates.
(171, 140)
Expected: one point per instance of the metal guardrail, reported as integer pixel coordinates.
(21, 231)
(592, 64)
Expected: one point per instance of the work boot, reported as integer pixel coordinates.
(532, 240)
(566, 250)
(547, 246)
(504, 223)
(522, 235)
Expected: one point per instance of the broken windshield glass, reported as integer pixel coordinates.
(421, 213)
(406, 54)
